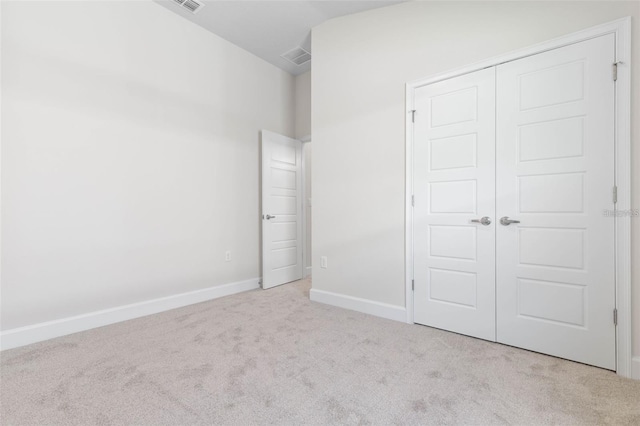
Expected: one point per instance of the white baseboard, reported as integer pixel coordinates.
(307, 271)
(635, 367)
(48, 330)
(384, 310)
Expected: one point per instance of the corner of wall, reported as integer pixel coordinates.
(303, 105)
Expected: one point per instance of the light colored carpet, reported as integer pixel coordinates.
(274, 357)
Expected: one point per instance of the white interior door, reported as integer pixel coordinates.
(281, 209)
(454, 185)
(555, 175)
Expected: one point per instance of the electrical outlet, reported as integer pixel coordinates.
(227, 256)
(323, 262)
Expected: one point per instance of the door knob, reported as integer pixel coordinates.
(269, 217)
(506, 221)
(486, 221)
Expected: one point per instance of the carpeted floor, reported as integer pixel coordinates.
(274, 357)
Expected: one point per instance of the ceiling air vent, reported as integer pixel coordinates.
(192, 6)
(297, 56)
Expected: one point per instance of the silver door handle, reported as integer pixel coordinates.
(506, 221)
(269, 217)
(486, 221)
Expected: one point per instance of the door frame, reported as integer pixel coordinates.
(621, 28)
(306, 140)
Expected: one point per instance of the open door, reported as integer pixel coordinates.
(281, 209)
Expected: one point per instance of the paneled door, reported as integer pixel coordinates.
(281, 209)
(454, 220)
(555, 177)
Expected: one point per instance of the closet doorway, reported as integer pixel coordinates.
(513, 168)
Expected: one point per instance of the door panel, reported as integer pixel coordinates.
(282, 209)
(454, 183)
(555, 174)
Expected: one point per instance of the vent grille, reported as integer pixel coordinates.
(297, 56)
(192, 6)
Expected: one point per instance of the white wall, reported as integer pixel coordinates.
(303, 105)
(308, 194)
(361, 63)
(303, 130)
(130, 156)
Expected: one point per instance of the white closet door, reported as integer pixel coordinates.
(555, 174)
(454, 181)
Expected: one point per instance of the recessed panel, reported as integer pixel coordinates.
(283, 153)
(552, 86)
(453, 153)
(452, 287)
(457, 242)
(454, 107)
(284, 231)
(555, 247)
(282, 258)
(285, 179)
(551, 139)
(283, 204)
(453, 197)
(552, 301)
(556, 193)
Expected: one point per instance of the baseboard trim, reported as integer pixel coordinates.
(307, 271)
(635, 367)
(383, 310)
(48, 330)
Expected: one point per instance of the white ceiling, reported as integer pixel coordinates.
(269, 28)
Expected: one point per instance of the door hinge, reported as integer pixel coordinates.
(615, 316)
(413, 200)
(413, 285)
(413, 115)
(614, 70)
(615, 194)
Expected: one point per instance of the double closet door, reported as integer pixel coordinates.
(513, 168)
